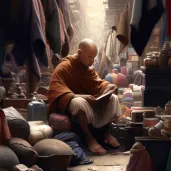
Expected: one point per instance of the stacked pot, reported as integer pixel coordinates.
(159, 60)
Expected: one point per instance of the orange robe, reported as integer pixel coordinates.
(71, 77)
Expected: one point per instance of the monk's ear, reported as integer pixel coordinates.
(79, 51)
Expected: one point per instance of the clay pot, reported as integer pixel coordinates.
(151, 61)
(54, 155)
(149, 119)
(165, 55)
(168, 108)
(167, 124)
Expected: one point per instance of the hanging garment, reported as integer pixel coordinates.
(62, 26)
(64, 36)
(63, 5)
(136, 13)
(150, 13)
(163, 29)
(113, 47)
(52, 25)
(4, 129)
(19, 30)
(37, 33)
(168, 7)
(104, 62)
(43, 24)
(29, 36)
(123, 29)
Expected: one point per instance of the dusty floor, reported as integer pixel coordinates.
(108, 162)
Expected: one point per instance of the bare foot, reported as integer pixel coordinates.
(95, 147)
(111, 140)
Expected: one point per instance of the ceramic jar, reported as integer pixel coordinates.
(149, 119)
(151, 61)
(150, 122)
(168, 108)
(165, 54)
(37, 110)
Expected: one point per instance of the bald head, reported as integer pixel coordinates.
(87, 44)
(87, 52)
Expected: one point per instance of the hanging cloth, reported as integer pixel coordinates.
(52, 25)
(64, 36)
(123, 29)
(148, 13)
(18, 30)
(38, 39)
(63, 5)
(163, 27)
(113, 47)
(43, 24)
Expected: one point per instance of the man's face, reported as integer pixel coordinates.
(87, 56)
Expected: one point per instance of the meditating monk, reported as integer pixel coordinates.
(74, 89)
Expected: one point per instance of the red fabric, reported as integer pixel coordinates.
(59, 122)
(4, 129)
(140, 161)
(168, 6)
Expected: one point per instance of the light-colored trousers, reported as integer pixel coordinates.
(96, 115)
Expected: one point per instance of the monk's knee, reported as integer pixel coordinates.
(77, 105)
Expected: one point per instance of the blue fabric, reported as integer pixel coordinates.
(74, 142)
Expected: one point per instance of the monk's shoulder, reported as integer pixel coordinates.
(65, 64)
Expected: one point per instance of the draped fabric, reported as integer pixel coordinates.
(144, 17)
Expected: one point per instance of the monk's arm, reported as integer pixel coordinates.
(111, 87)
